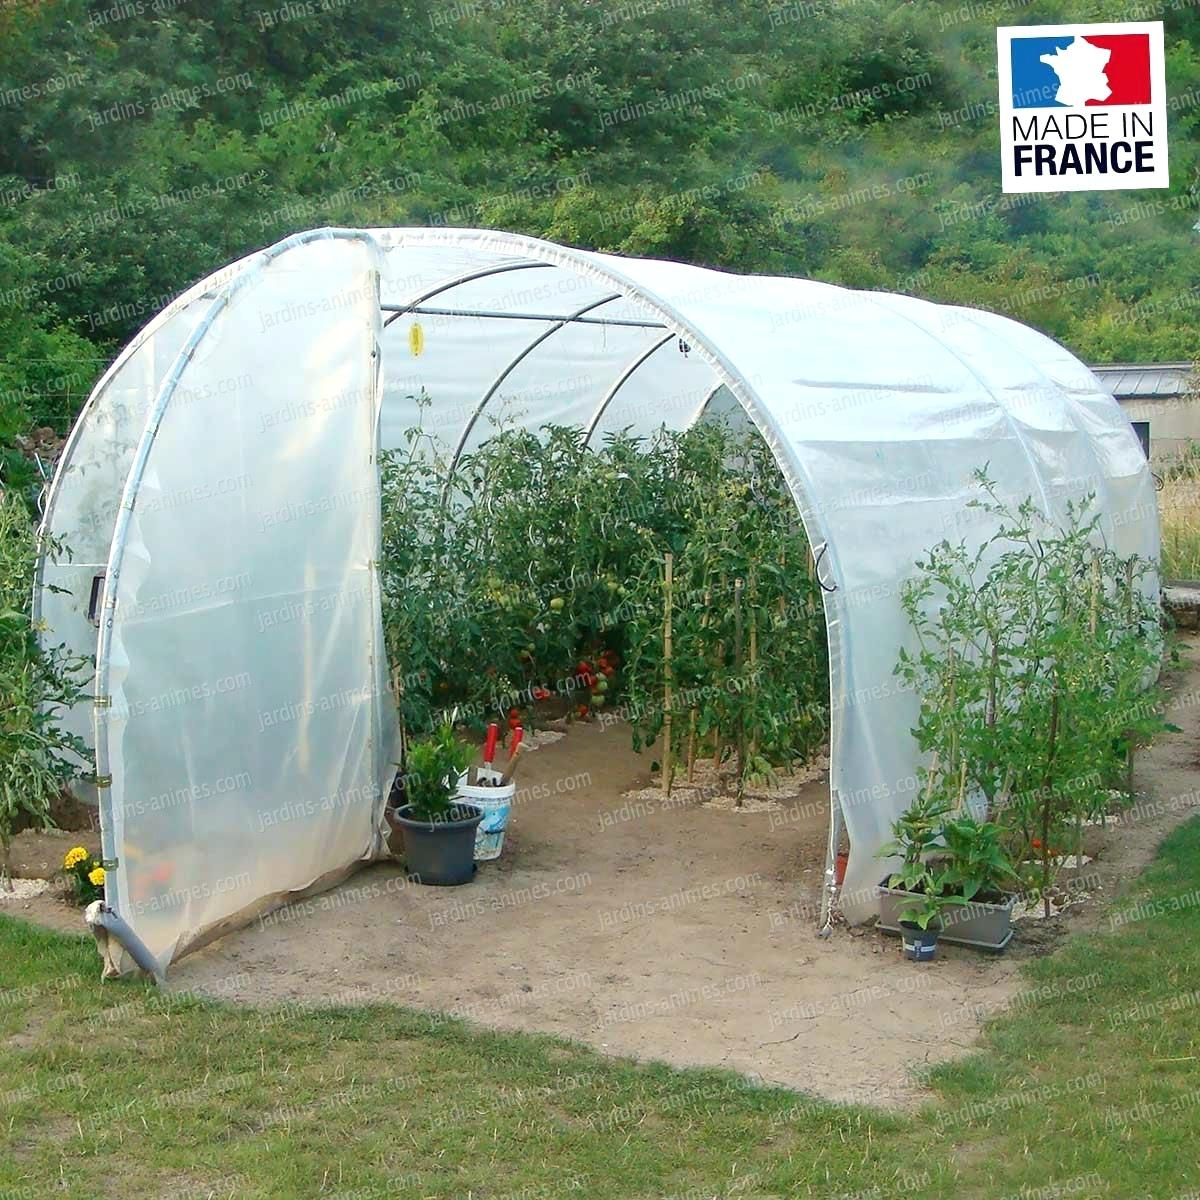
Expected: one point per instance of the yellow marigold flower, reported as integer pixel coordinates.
(96, 876)
(74, 857)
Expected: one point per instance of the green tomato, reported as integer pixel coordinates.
(557, 604)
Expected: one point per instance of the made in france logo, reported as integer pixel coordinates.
(1082, 107)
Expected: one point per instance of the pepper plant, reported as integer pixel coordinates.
(973, 862)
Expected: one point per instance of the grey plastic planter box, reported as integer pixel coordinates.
(984, 926)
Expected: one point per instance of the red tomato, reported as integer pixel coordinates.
(582, 710)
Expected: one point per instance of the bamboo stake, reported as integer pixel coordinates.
(1095, 615)
(1046, 803)
(932, 776)
(667, 589)
(738, 586)
(950, 702)
(1002, 799)
(1129, 621)
(718, 749)
(751, 595)
(993, 668)
(691, 751)
(398, 698)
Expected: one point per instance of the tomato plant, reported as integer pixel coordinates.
(538, 574)
(1036, 659)
(748, 663)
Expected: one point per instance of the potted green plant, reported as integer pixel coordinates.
(950, 861)
(922, 918)
(437, 827)
(975, 866)
(914, 897)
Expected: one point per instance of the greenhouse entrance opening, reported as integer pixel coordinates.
(224, 478)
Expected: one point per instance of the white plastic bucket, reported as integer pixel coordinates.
(496, 803)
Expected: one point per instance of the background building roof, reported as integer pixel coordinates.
(1126, 381)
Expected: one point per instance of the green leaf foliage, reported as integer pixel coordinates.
(144, 143)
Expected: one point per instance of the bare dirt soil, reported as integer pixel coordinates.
(684, 933)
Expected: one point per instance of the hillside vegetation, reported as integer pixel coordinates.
(145, 142)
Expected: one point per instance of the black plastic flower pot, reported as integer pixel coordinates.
(441, 853)
(919, 944)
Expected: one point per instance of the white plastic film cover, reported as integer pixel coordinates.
(241, 736)
(81, 510)
(244, 625)
(878, 409)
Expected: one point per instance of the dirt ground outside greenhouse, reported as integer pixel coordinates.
(684, 933)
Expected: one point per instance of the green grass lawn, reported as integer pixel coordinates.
(1090, 1087)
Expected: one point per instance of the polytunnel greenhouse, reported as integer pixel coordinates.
(227, 462)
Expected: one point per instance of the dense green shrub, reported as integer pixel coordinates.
(37, 758)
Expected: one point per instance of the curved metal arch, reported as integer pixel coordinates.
(470, 277)
(508, 370)
(492, 314)
(620, 382)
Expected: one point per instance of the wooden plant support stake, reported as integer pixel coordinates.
(993, 671)
(1047, 801)
(751, 595)
(1095, 613)
(932, 776)
(692, 717)
(718, 749)
(398, 696)
(1002, 798)
(1129, 621)
(950, 702)
(738, 586)
(667, 589)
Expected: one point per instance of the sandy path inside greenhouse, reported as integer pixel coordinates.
(685, 934)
